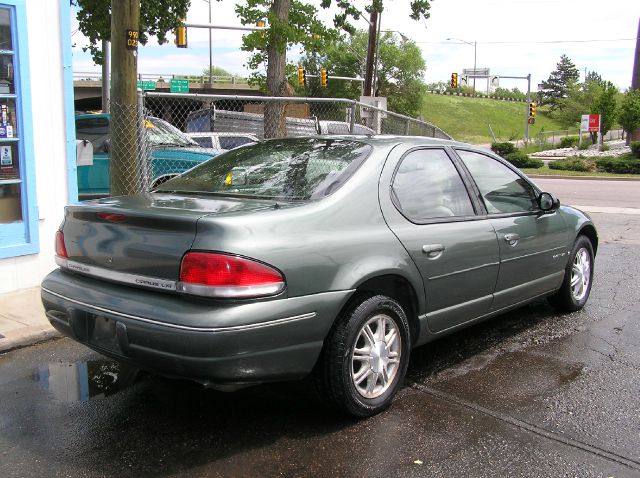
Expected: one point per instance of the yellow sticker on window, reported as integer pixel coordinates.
(228, 181)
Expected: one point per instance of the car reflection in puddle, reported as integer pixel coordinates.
(84, 381)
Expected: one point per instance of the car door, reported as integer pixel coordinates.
(533, 245)
(426, 204)
(94, 179)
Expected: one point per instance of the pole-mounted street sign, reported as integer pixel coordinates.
(179, 86)
(146, 85)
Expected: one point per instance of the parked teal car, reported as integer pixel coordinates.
(173, 152)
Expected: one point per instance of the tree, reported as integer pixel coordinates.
(157, 17)
(293, 22)
(629, 116)
(216, 71)
(581, 99)
(606, 106)
(98, 20)
(560, 81)
(400, 71)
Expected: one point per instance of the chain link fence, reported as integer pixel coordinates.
(174, 132)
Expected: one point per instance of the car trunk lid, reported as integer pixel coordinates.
(131, 239)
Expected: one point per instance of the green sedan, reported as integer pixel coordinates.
(331, 256)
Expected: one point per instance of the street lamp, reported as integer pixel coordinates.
(475, 50)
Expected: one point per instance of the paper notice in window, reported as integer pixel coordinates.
(5, 156)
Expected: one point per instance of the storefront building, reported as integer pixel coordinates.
(37, 136)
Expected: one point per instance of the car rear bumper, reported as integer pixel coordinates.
(213, 342)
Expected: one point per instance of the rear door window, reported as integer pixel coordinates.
(428, 186)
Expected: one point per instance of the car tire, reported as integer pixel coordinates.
(578, 277)
(365, 356)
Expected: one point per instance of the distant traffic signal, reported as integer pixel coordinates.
(533, 107)
(454, 80)
(324, 78)
(181, 35)
(302, 77)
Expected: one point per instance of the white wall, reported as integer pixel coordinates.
(47, 99)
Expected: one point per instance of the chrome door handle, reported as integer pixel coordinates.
(433, 251)
(511, 239)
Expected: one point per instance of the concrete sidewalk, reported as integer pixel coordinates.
(22, 319)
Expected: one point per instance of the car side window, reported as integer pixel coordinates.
(203, 141)
(502, 189)
(95, 130)
(231, 142)
(428, 186)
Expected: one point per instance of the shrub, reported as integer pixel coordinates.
(521, 160)
(635, 148)
(619, 165)
(569, 141)
(503, 149)
(584, 145)
(604, 147)
(575, 164)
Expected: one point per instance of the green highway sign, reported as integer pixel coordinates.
(146, 85)
(179, 86)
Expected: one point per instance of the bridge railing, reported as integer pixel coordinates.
(166, 77)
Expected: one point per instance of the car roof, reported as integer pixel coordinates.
(391, 140)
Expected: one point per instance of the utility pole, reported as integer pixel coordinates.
(106, 92)
(210, 49)
(125, 22)
(635, 80)
(371, 50)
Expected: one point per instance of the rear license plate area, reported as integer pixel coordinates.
(102, 332)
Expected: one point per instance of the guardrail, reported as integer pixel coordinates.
(166, 77)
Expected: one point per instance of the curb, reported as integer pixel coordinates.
(30, 338)
(582, 178)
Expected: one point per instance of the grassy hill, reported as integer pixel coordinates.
(467, 119)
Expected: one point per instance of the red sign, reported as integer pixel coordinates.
(594, 123)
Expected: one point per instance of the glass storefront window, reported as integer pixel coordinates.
(11, 180)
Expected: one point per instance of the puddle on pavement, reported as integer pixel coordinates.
(86, 380)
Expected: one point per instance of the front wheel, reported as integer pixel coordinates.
(365, 357)
(578, 277)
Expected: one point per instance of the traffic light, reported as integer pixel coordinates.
(302, 77)
(533, 107)
(324, 78)
(261, 24)
(181, 35)
(454, 80)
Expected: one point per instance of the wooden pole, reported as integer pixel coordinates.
(125, 19)
(371, 53)
(635, 82)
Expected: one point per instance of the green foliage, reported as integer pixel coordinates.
(521, 160)
(620, 165)
(559, 82)
(569, 141)
(513, 94)
(400, 71)
(635, 148)
(216, 71)
(629, 116)
(157, 17)
(574, 164)
(579, 100)
(606, 105)
(503, 149)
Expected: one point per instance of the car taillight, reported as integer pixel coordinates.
(221, 275)
(61, 249)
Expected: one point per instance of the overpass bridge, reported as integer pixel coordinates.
(87, 86)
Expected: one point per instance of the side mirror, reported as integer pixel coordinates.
(106, 146)
(547, 202)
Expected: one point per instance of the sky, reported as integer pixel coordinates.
(513, 38)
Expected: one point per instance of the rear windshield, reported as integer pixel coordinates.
(286, 169)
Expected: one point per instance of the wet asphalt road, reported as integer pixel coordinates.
(531, 393)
